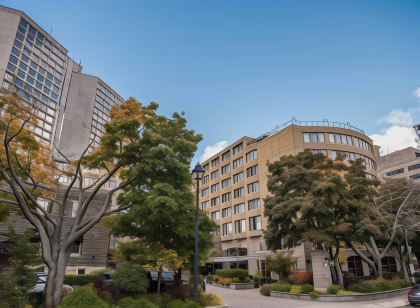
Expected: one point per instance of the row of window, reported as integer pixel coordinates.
(337, 138)
(401, 170)
(251, 155)
(254, 223)
(238, 209)
(237, 193)
(251, 171)
(333, 154)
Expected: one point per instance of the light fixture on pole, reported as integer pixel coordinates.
(197, 174)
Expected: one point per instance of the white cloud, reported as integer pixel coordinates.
(398, 117)
(210, 150)
(394, 138)
(416, 93)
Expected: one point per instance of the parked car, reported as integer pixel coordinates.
(167, 281)
(103, 280)
(37, 291)
(414, 295)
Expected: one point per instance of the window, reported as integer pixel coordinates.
(237, 193)
(313, 137)
(214, 174)
(251, 171)
(226, 183)
(81, 271)
(215, 162)
(227, 212)
(225, 155)
(362, 144)
(238, 162)
(395, 172)
(240, 226)
(215, 201)
(415, 176)
(204, 205)
(225, 169)
(238, 177)
(239, 208)
(389, 265)
(43, 203)
(205, 180)
(254, 204)
(214, 188)
(71, 208)
(215, 215)
(253, 187)
(237, 149)
(251, 155)
(226, 197)
(206, 167)
(204, 192)
(255, 223)
(227, 228)
(414, 167)
(76, 248)
(355, 265)
(317, 152)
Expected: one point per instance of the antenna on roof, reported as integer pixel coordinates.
(51, 31)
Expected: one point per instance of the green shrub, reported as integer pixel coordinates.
(129, 302)
(225, 281)
(131, 279)
(280, 287)
(209, 277)
(232, 273)
(176, 304)
(83, 297)
(296, 290)
(391, 276)
(265, 290)
(300, 278)
(247, 280)
(362, 287)
(236, 280)
(333, 289)
(79, 280)
(314, 294)
(210, 299)
(306, 288)
(402, 283)
(345, 292)
(216, 278)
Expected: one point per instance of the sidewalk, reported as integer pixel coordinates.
(253, 299)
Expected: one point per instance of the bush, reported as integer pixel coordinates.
(131, 279)
(216, 278)
(247, 280)
(296, 290)
(265, 290)
(129, 302)
(314, 294)
(210, 299)
(225, 281)
(376, 285)
(300, 278)
(391, 276)
(402, 283)
(333, 289)
(306, 288)
(83, 297)
(232, 273)
(345, 292)
(209, 277)
(236, 280)
(180, 304)
(362, 287)
(79, 280)
(280, 287)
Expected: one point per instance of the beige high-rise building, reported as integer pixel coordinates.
(234, 186)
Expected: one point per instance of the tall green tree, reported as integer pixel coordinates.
(281, 264)
(311, 201)
(139, 146)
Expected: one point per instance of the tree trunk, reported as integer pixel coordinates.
(48, 299)
(338, 272)
(158, 280)
(363, 257)
(54, 285)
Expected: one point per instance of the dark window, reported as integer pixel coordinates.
(395, 172)
(81, 271)
(389, 265)
(355, 265)
(413, 167)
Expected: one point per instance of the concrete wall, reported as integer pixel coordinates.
(77, 121)
(8, 28)
(321, 270)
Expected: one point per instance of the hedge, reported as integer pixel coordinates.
(79, 280)
(232, 273)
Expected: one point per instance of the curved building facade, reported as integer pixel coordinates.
(235, 184)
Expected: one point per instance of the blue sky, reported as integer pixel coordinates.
(239, 67)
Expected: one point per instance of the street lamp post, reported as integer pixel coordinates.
(197, 174)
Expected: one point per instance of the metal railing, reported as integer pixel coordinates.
(324, 122)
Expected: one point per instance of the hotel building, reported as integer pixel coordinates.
(71, 109)
(234, 186)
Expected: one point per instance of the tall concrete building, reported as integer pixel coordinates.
(71, 108)
(235, 185)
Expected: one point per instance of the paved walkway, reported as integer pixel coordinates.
(252, 299)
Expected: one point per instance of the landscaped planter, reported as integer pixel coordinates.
(237, 286)
(343, 298)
